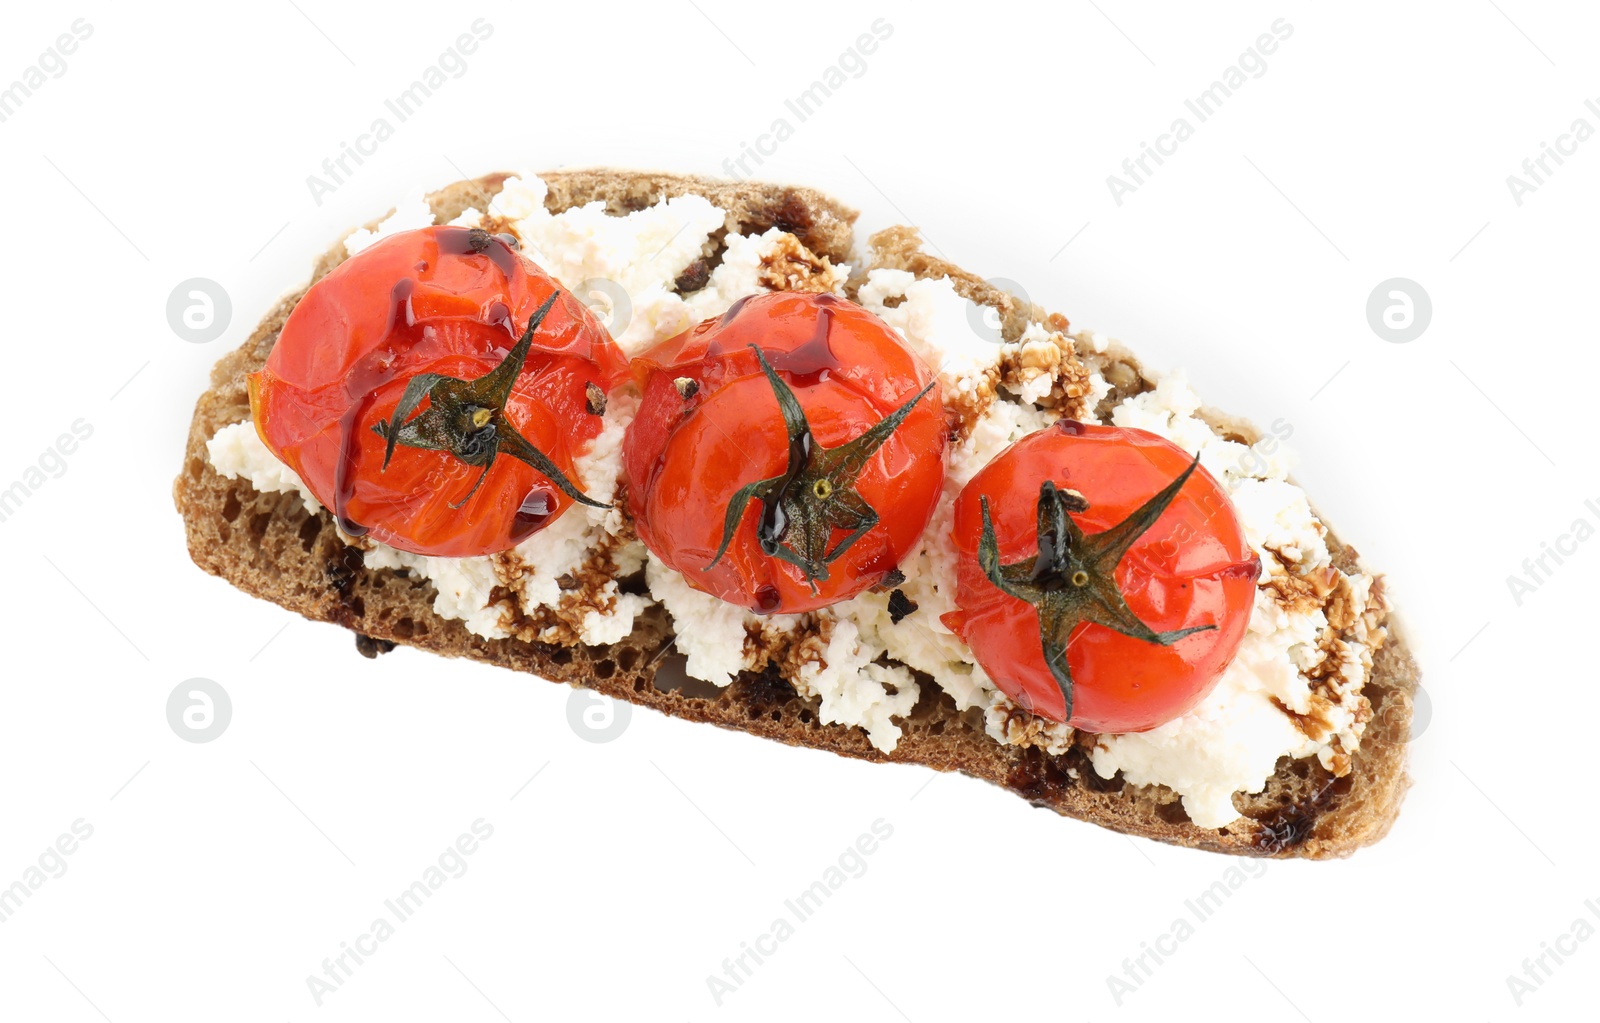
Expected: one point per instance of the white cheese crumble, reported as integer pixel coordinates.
(937, 324)
(739, 274)
(602, 628)
(711, 634)
(853, 689)
(708, 631)
(409, 214)
(598, 255)
(238, 452)
(1276, 516)
(462, 586)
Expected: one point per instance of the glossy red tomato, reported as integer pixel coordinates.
(1148, 589)
(482, 455)
(787, 454)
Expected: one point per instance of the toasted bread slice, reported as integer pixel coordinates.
(268, 545)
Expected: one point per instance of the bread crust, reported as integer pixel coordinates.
(269, 546)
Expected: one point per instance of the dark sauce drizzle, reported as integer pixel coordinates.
(810, 363)
(535, 512)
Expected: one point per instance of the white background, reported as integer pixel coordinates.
(220, 875)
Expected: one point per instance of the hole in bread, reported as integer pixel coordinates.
(777, 715)
(257, 525)
(231, 507)
(405, 628)
(671, 676)
(805, 717)
(1173, 812)
(342, 569)
(604, 669)
(561, 655)
(627, 658)
(310, 529)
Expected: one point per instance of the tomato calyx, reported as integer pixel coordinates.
(1072, 580)
(467, 418)
(815, 494)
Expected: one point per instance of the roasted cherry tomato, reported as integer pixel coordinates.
(433, 391)
(787, 454)
(1102, 577)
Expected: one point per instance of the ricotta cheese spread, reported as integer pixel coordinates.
(238, 452)
(1294, 689)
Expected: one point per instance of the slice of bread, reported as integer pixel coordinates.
(268, 545)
